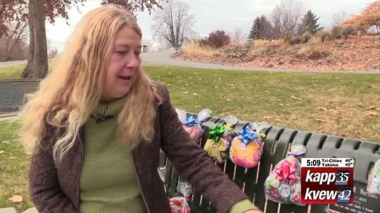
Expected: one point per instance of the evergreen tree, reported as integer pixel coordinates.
(256, 30)
(267, 28)
(309, 24)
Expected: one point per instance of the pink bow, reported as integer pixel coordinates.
(286, 170)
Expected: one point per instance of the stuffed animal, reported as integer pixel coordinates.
(185, 189)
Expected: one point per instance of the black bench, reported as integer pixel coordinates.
(277, 144)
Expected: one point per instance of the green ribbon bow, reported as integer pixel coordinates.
(216, 132)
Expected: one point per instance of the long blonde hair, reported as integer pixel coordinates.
(67, 96)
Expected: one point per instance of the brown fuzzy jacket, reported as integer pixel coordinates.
(55, 188)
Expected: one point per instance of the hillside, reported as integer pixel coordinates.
(354, 54)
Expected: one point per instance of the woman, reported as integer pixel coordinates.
(96, 126)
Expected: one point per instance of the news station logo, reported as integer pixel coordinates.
(327, 180)
(342, 177)
(344, 195)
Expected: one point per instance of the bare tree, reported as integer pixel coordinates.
(339, 18)
(15, 39)
(52, 53)
(147, 43)
(286, 16)
(238, 35)
(173, 23)
(37, 65)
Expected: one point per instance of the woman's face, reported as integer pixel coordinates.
(123, 65)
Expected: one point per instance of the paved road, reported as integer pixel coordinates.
(11, 63)
(162, 58)
(10, 116)
(12, 93)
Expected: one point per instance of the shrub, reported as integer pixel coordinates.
(342, 32)
(287, 36)
(312, 52)
(315, 40)
(324, 36)
(216, 39)
(293, 40)
(304, 38)
(336, 32)
(203, 42)
(348, 31)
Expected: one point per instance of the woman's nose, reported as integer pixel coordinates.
(133, 61)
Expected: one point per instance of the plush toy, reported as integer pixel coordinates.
(373, 185)
(179, 205)
(192, 125)
(247, 148)
(283, 183)
(185, 189)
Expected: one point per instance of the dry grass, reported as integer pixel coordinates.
(195, 49)
(313, 52)
(260, 43)
(262, 46)
(304, 50)
(315, 40)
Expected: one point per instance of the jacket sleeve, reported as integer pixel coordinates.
(44, 188)
(193, 163)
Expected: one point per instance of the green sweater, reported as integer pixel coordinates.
(108, 182)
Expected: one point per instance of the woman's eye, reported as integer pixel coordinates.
(137, 53)
(121, 52)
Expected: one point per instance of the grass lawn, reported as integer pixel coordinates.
(11, 72)
(337, 104)
(15, 71)
(14, 168)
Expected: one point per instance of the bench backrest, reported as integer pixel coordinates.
(277, 144)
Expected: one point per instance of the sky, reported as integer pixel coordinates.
(210, 15)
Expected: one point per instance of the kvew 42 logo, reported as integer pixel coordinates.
(342, 195)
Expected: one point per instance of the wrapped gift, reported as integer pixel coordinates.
(219, 142)
(247, 148)
(179, 205)
(192, 124)
(283, 183)
(373, 185)
(216, 146)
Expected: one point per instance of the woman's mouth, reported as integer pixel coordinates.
(125, 78)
